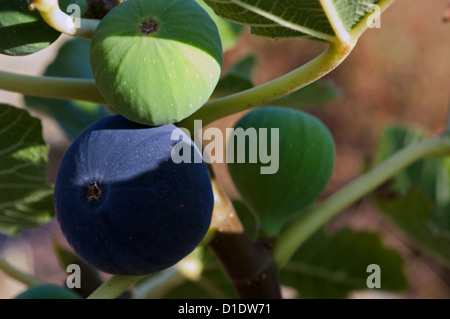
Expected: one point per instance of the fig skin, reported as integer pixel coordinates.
(306, 160)
(47, 291)
(123, 205)
(156, 62)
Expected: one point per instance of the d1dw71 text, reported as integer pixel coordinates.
(246, 308)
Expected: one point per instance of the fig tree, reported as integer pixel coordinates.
(123, 203)
(156, 62)
(305, 152)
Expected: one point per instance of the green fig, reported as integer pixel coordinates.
(156, 62)
(302, 152)
(47, 291)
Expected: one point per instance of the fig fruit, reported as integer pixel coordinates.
(124, 205)
(47, 291)
(303, 158)
(156, 62)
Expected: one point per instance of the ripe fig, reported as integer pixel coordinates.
(304, 149)
(124, 205)
(156, 62)
(47, 291)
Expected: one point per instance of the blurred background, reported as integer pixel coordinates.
(398, 73)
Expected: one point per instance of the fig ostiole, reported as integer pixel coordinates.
(124, 205)
(156, 62)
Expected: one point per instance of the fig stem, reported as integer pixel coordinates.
(362, 25)
(51, 87)
(62, 22)
(248, 264)
(294, 236)
(336, 23)
(263, 94)
(15, 273)
(114, 286)
(86, 90)
(270, 91)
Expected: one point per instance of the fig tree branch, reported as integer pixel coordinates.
(293, 237)
(114, 286)
(292, 81)
(336, 22)
(275, 89)
(248, 264)
(17, 274)
(363, 24)
(51, 87)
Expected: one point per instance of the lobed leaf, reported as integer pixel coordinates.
(411, 213)
(292, 18)
(417, 200)
(332, 266)
(238, 77)
(26, 199)
(229, 31)
(23, 31)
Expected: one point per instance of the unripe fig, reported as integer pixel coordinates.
(23, 32)
(304, 149)
(47, 291)
(156, 62)
(124, 205)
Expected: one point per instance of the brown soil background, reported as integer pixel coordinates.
(396, 74)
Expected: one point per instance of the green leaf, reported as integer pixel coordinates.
(315, 94)
(351, 12)
(417, 200)
(332, 266)
(238, 78)
(72, 116)
(22, 31)
(26, 199)
(411, 213)
(393, 139)
(291, 18)
(431, 176)
(229, 31)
